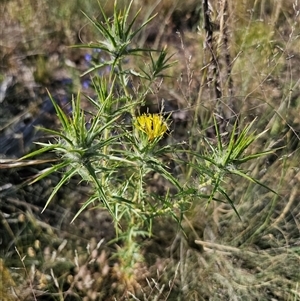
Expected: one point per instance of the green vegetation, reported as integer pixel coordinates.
(174, 174)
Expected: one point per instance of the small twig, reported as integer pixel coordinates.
(10, 163)
(218, 246)
(208, 27)
(20, 203)
(288, 206)
(27, 275)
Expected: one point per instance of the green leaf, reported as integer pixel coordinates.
(99, 187)
(60, 113)
(90, 200)
(56, 134)
(46, 172)
(66, 177)
(45, 149)
(159, 168)
(251, 179)
(229, 200)
(107, 33)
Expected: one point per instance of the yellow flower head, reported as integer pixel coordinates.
(153, 125)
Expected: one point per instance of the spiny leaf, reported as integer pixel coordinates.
(67, 176)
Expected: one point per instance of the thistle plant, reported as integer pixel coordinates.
(222, 160)
(116, 154)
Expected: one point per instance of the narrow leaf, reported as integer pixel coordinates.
(67, 176)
